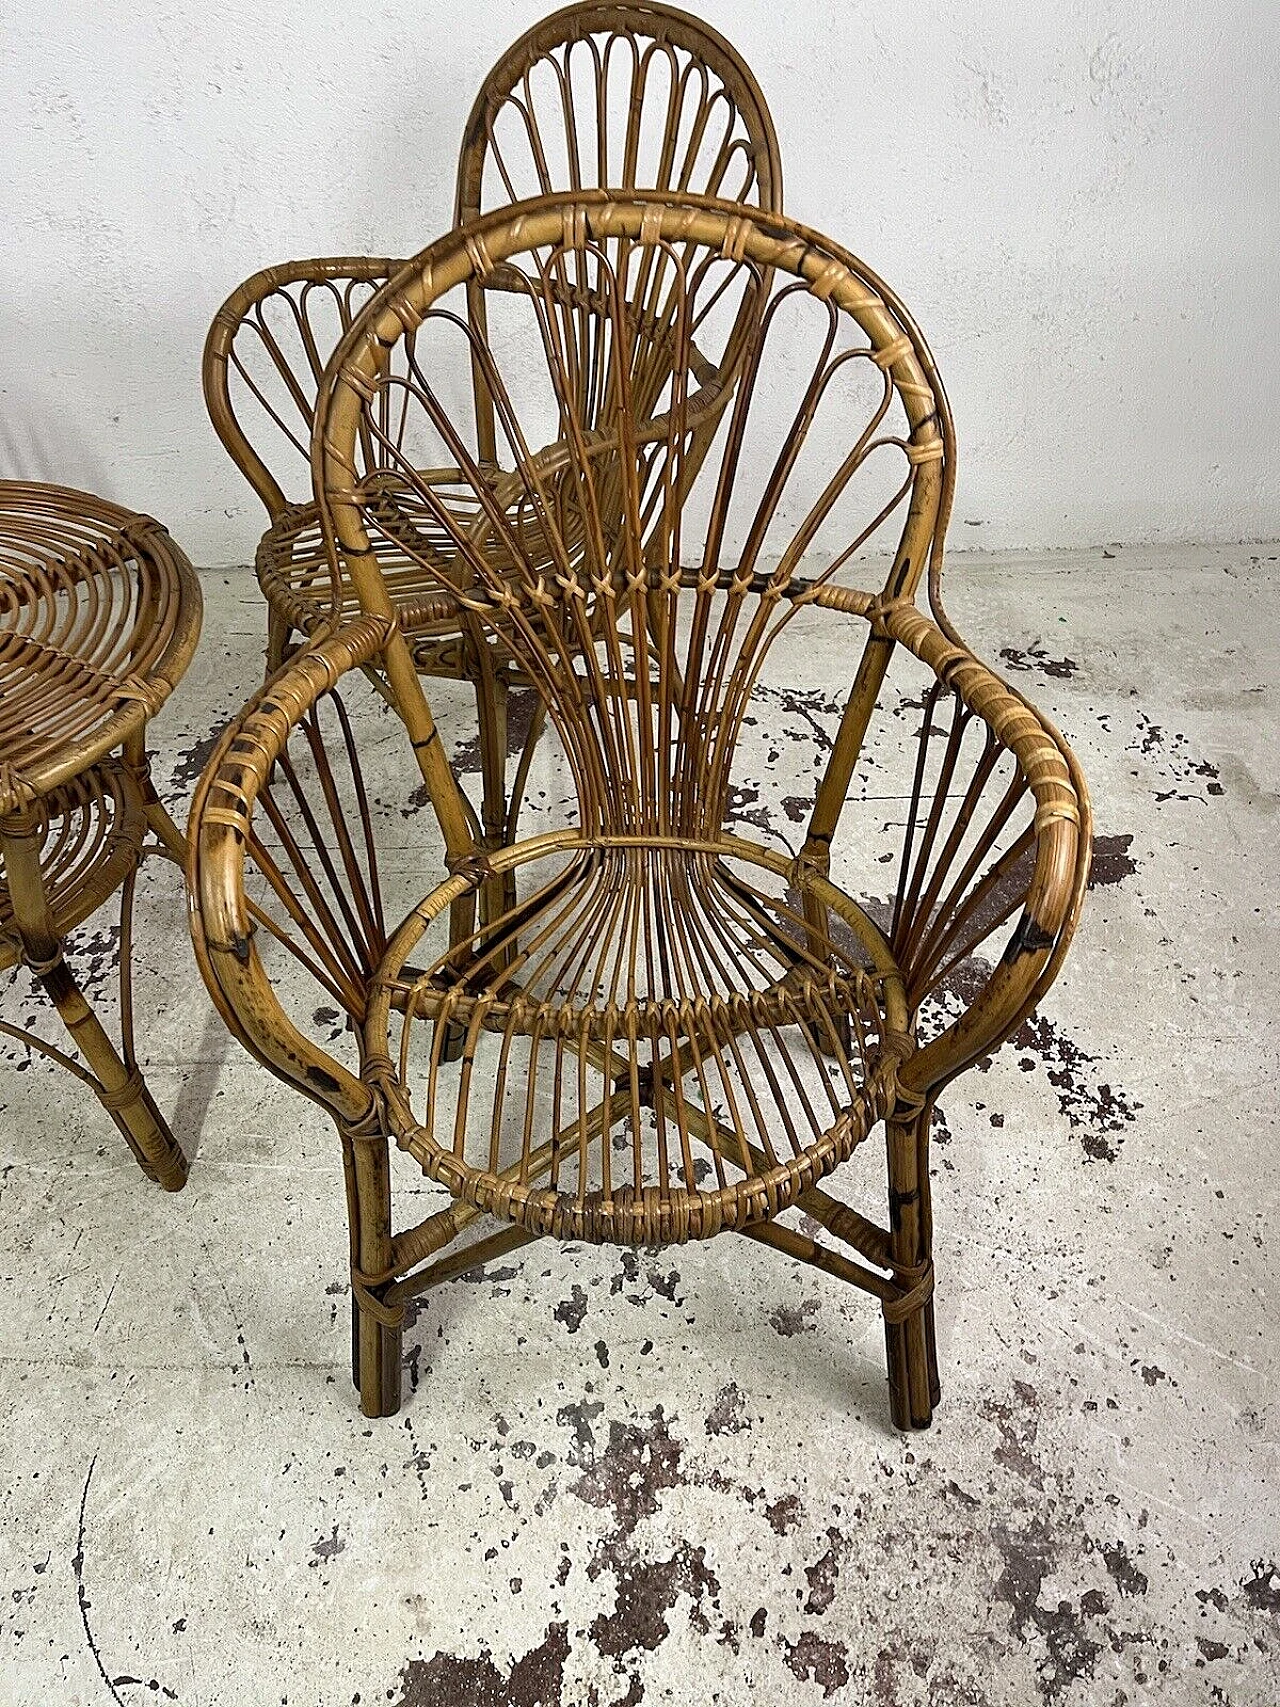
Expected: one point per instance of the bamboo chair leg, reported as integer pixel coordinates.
(491, 710)
(117, 1082)
(121, 1090)
(537, 723)
(910, 1339)
(170, 838)
(376, 1329)
(278, 648)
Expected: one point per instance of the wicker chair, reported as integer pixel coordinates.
(99, 617)
(610, 95)
(676, 1031)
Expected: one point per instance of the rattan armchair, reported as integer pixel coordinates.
(635, 95)
(676, 1031)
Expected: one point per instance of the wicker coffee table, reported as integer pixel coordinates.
(99, 616)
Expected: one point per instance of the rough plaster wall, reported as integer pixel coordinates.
(1077, 201)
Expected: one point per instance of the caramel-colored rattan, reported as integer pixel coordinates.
(672, 1030)
(613, 95)
(99, 617)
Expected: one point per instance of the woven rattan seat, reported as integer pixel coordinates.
(644, 1024)
(809, 1016)
(99, 617)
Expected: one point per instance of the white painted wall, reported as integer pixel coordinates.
(1078, 200)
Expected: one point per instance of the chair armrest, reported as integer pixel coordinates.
(301, 832)
(265, 355)
(998, 829)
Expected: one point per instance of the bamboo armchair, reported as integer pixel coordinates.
(99, 617)
(626, 95)
(675, 1031)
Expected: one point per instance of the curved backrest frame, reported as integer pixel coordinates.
(654, 42)
(839, 282)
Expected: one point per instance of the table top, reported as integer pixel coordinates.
(99, 617)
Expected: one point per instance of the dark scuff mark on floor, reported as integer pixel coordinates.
(823, 1575)
(520, 709)
(726, 1416)
(114, 1684)
(449, 1680)
(1017, 1420)
(1036, 658)
(647, 1590)
(1122, 1570)
(190, 761)
(637, 1465)
(572, 1309)
(1094, 1108)
(789, 1319)
(1169, 760)
(1262, 1590)
(1029, 1555)
(814, 1659)
(327, 1547)
(1112, 862)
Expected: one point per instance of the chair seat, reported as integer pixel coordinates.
(293, 572)
(99, 615)
(657, 1042)
(92, 832)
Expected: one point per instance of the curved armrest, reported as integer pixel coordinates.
(268, 347)
(304, 832)
(999, 829)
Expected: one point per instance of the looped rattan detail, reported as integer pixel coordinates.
(907, 1304)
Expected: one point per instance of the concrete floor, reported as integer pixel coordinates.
(670, 1477)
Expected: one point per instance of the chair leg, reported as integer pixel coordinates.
(376, 1331)
(121, 1090)
(116, 1081)
(375, 1362)
(278, 633)
(496, 897)
(168, 836)
(910, 1340)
